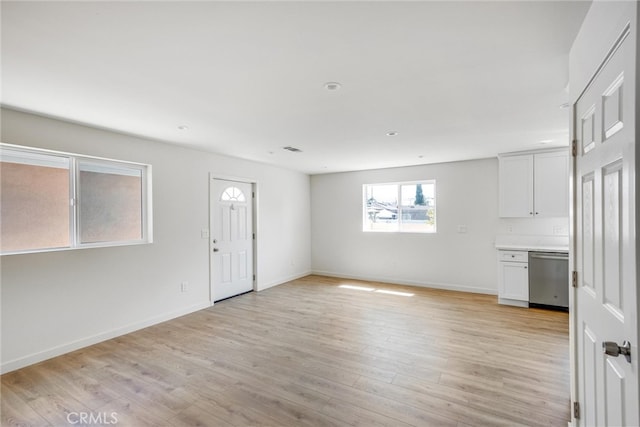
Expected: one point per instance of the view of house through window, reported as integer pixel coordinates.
(51, 201)
(404, 207)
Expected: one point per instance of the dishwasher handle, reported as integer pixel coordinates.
(550, 256)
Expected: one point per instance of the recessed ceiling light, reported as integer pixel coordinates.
(183, 127)
(546, 141)
(332, 86)
(392, 133)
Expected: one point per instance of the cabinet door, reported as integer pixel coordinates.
(551, 184)
(516, 186)
(514, 281)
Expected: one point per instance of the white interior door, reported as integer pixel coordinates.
(231, 226)
(605, 256)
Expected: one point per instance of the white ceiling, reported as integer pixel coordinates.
(457, 80)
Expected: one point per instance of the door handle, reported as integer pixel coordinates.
(611, 348)
(215, 249)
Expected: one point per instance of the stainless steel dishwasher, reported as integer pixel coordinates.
(549, 280)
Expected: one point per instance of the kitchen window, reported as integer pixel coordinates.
(54, 201)
(400, 207)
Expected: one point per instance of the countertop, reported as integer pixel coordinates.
(533, 243)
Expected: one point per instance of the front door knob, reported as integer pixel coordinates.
(611, 348)
(215, 249)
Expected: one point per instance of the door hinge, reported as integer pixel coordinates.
(574, 148)
(576, 410)
(254, 277)
(574, 279)
(254, 236)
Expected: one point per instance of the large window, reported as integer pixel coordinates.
(34, 201)
(52, 201)
(403, 207)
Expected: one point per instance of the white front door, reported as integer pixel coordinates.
(605, 257)
(231, 226)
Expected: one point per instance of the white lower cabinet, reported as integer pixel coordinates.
(513, 278)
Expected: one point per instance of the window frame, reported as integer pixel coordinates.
(146, 209)
(398, 186)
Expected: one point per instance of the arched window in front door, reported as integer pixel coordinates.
(232, 194)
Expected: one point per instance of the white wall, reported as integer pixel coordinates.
(59, 301)
(557, 227)
(466, 194)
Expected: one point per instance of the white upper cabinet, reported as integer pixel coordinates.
(516, 186)
(551, 184)
(534, 185)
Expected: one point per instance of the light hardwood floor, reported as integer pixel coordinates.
(310, 353)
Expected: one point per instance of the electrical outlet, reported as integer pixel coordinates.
(558, 230)
(204, 233)
(462, 229)
(184, 286)
(509, 229)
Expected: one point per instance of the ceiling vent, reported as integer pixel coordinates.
(292, 149)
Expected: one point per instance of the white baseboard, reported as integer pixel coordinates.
(31, 359)
(263, 286)
(515, 303)
(393, 280)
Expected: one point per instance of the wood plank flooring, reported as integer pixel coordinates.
(312, 353)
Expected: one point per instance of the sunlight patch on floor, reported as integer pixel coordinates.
(381, 291)
(357, 288)
(402, 294)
